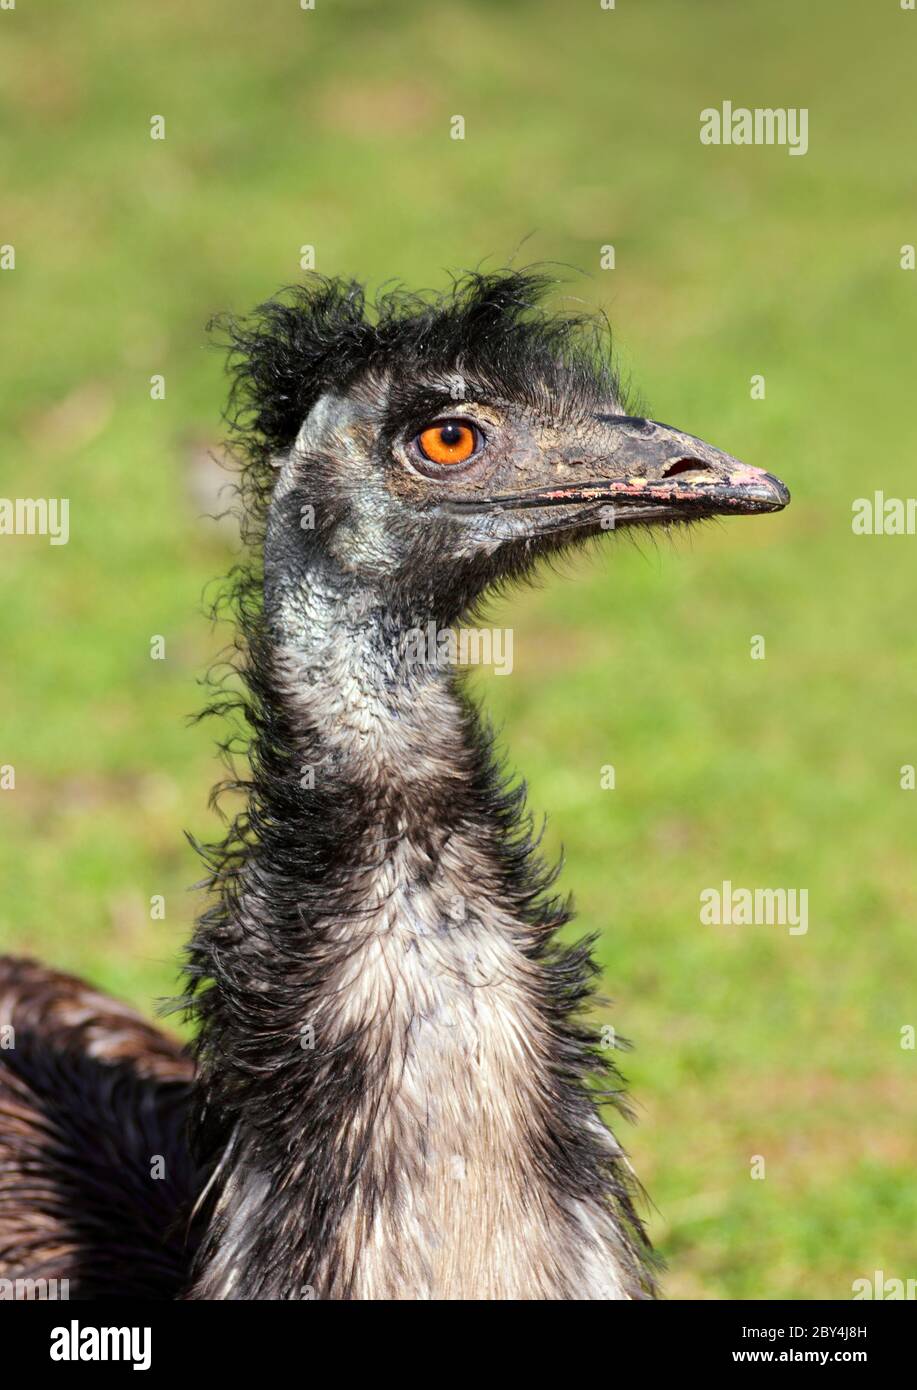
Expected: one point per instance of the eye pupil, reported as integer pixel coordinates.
(450, 442)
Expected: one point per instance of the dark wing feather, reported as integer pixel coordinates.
(95, 1178)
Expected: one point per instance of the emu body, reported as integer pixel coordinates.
(392, 1094)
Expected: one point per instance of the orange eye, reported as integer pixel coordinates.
(451, 441)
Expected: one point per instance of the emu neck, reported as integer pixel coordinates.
(393, 1086)
(384, 716)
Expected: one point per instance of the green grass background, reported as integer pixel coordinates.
(287, 127)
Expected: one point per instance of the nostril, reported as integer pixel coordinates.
(671, 470)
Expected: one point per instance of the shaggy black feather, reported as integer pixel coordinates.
(96, 1179)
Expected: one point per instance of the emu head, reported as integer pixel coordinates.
(430, 448)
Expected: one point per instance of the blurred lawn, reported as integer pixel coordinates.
(331, 128)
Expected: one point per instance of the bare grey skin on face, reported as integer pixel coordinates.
(398, 1087)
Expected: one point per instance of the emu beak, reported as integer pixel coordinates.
(659, 473)
(644, 471)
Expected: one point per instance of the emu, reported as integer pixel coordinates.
(392, 1093)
